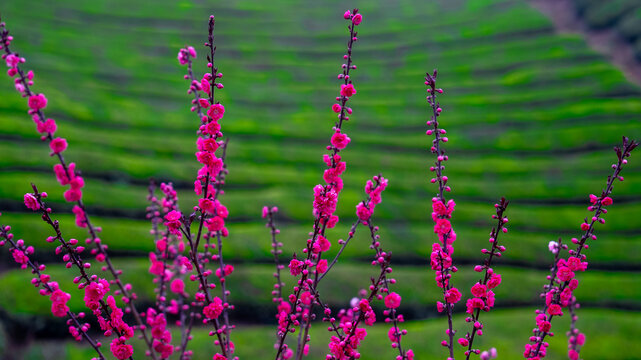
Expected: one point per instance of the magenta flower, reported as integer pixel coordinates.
(442, 226)
(357, 19)
(340, 140)
(392, 300)
(121, 350)
(31, 202)
(348, 90)
(37, 102)
(213, 310)
(216, 112)
(58, 145)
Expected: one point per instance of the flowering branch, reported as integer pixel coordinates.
(559, 296)
(210, 212)
(95, 289)
(576, 339)
(325, 201)
(66, 174)
(441, 257)
(49, 288)
(483, 295)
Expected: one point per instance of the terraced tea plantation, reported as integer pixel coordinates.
(531, 115)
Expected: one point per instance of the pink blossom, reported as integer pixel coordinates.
(494, 281)
(61, 174)
(58, 145)
(72, 195)
(606, 201)
(321, 267)
(463, 341)
(215, 223)
(296, 267)
(219, 357)
(393, 334)
(363, 213)
(121, 350)
(453, 296)
(31, 202)
(336, 108)
(348, 90)
(555, 309)
(81, 217)
(94, 292)
(216, 112)
(340, 140)
(442, 226)
(392, 300)
(49, 126)
(192, 51)
(565, 273)
(19, 256)
(177, 286)
(204, 84)
(213, 310)
(59, 300)
(324, 201)
(12, 60)
(357, 19)
(37, 102)
(321, 244)
(479, 290)
(172, 221)
(207, 205)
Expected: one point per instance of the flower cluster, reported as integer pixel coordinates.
(208, 186)
(559, 292)
(324, 206)
(48, 287)
(66, 173)
(442, 251)
(483, 296)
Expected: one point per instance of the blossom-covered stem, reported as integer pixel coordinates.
(394, 316)
(70, 172)
(352, 231)
(325, 197)
(375, 287)
(490, 278)
(372, 189)
(393, 313)
(72, 257)
(204, 284)
(576, 339)
(155, 216)
(37, 269)
(269, 213)
(443, 226)
(565, 274)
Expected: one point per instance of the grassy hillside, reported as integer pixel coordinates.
(531, 115)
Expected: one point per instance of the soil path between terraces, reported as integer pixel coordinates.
(606, 41)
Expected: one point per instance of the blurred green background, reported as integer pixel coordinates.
(531, 115)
